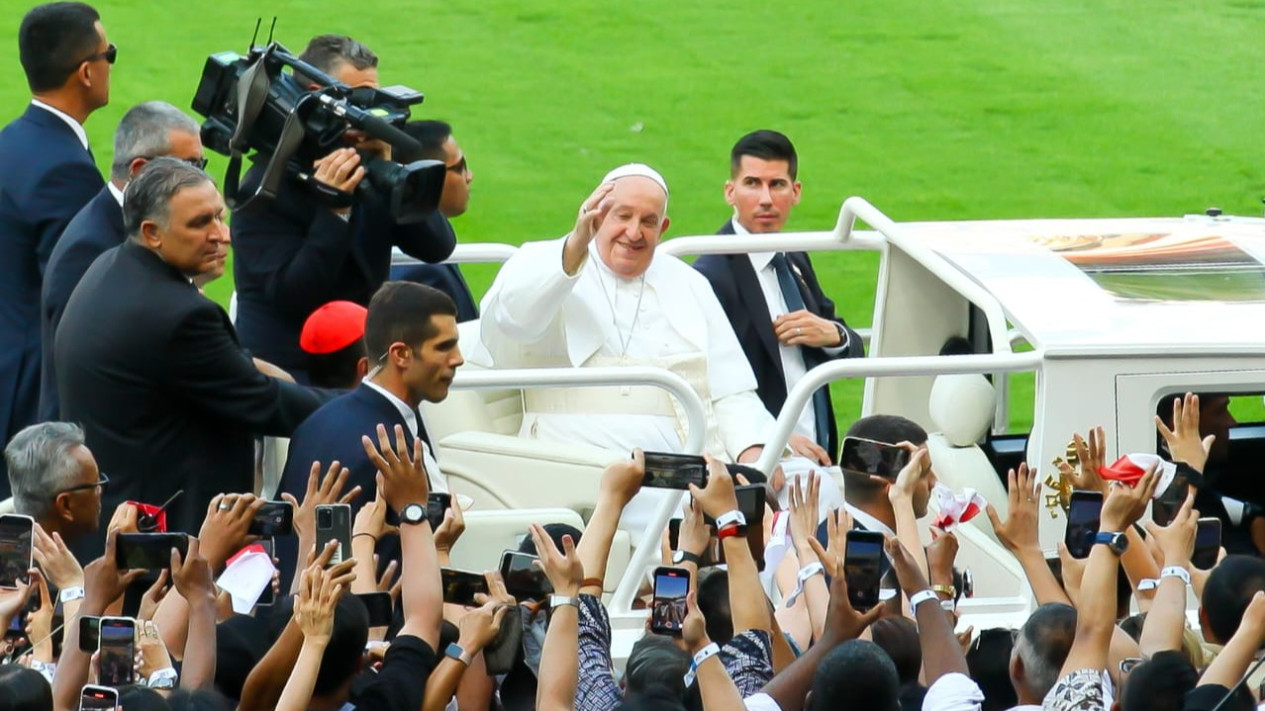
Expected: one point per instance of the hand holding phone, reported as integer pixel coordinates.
(1083, 514)
(1207, 544)
(16, 549)
(380, 606)
(460, 586)
(523, 578)
(149, 551)
(333, 523)
(668, 610)
(869, 457)
(273, 518)
(437, 505)
(862, 568)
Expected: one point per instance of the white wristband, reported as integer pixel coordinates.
(922, 596)
(703, 655)
(805, 573)
(1175, 571)
(556, 601)
(730, 517)
(71, 594)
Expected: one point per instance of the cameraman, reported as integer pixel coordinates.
(295, 253)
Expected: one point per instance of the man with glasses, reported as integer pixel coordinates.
(55, 479)
(148, 130)
(293, 253)
(48, 176)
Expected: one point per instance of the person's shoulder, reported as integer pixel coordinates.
(355, 412)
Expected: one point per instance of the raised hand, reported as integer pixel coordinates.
(321, 490)
(911, 475)
(803, 498)
(622, 480)
(843, 622)
(192, 576)
(56, 561)
(592, 211)
(907, 570)
(103, 581)
(480, 626)
(1091, 454)
(450, 529)
(371, 519)
(224, 530)
(563, 568)
(319, 593)
(718, 497)
(1176, 541)
(154, 596)
(941, 554)
(126, 518)
(1020, 531)
(837, 526)
(694, 536)
(1184, 443)
(1124, 505)
(403, 480)
(694, 626)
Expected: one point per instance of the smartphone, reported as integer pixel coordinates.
(89, 633)
(98, 698)
(437, 506)
(274, 518)
(865, 456)
(674, 534)
(862, 568)
(674, 471)
(151, 551)
(17, 626)
(460, 586)
(15, 549)
(1082, 522)
(269, 595)
(523, 578)
(333, 523)
(1165, 506)
(667, 612)
(116, 651)
(1207, 543)
(381, 610)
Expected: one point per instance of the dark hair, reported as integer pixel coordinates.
(23, 689)
(148, 196)
(713, 602)
(54, 40)
(402, 311)
(988, 660)
(898, 636)
(198, 700)
(857, 675)
(140, 698)
(346, 645)
(1159, 684)
(1229, 591)
(327, 52)
(655, 662)
(555, 531)
(890, 429)
(765, 145)
(336, 370)
(1043, 644)
(431, 135)
(656, 698)
(1132, 625)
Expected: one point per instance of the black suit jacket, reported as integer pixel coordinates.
(46, 175)
(738, 289)
(167, 398)
(291, 255)
(97, 228)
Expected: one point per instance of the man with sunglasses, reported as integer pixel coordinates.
(148, 130)
(48, 175)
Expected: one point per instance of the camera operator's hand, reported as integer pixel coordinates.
(587, 223)
(340, 170)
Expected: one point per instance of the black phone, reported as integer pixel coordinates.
(523, 578)
(333, 523)
(751, 502)
(98, 698)
(381, 610)
(674, 534)
(674, 471)
(117, 650)
(866, 456)
(460, 586)
(667, 612)
(151, 551)
(269, 596)
(89, 633)
(1082, 522)
(274, 518)
(1165, 506)
(862, 568)
(1207, 544)
(15, 549)
(437, 506)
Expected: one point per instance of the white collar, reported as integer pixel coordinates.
(115, 191)
(409, 415)
(70, 121)
(759, 260)
(870, 523)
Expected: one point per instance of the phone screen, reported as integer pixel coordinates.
(1082, 522)
(89, 633)
(269, 595)
(274, 518)
(862, 568)
(379, 606)
(98, 698)
(865, 456)
(674, 471)
(151, 551)
(523, 578)
(437, 506)
(1165, 506)
(1207, 544)
(15, 549)
(333, 523)
(461, 586)
(117, 649)
(668, 610)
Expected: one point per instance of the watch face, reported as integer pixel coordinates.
(413, 513)
(678, 556)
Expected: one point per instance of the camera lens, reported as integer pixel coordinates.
(325, 518)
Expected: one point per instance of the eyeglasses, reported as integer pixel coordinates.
(110, 54)
(1128, 664)
(85, 487)
(199, 163)
(460, 167)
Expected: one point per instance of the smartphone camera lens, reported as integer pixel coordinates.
(325, 518)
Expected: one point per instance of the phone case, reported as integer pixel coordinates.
(339, 530)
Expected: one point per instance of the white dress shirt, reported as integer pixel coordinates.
(793, 367)
(870, 523)
(70, 121)
(438, 482)
(116, 191)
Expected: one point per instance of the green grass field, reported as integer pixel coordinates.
(936, 109)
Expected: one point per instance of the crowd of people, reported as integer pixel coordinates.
(125, 392)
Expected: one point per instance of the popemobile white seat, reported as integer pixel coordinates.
(962, 407)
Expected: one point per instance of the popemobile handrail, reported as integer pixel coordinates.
(691, 404)
(464, 253)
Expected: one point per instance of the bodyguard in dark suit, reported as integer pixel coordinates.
(148, 130)
(411, 337)
(784, 321)
(48, 175)
(152, 369)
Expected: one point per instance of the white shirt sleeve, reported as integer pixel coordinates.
(953, 692)
(528, 293)
(761, 702)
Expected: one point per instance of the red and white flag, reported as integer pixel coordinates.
(956, 508)
(1130, 469)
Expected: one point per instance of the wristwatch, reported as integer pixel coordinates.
(454, 651)
(1117, 542)
(680, 557)
(843, 335)
(413, 513)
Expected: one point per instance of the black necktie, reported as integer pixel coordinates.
(795, 302)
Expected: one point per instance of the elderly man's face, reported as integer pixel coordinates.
(79, 505)
(194, 239)
(633, 226)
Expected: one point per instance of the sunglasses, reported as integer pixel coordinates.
(110, 54)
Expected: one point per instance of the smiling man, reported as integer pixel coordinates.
(601, 297)
(152, 369)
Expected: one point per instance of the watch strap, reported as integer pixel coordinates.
(729, 518)
(949, 590)
(805, 573)
(455, 651)
(684, 556)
